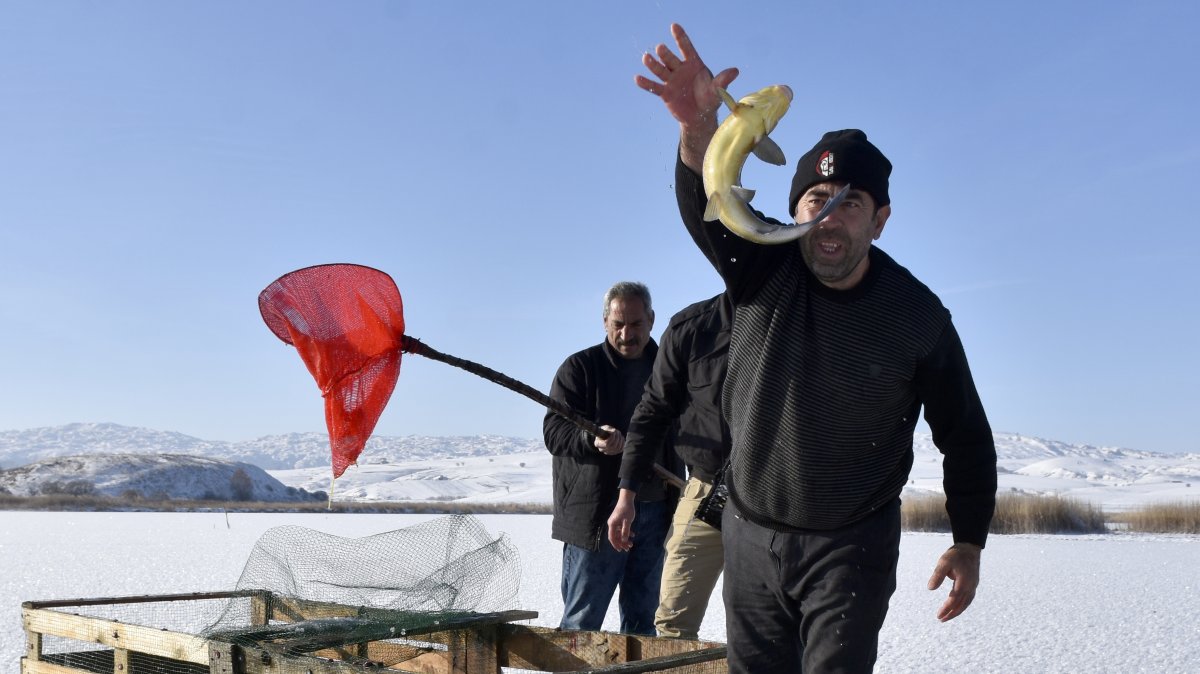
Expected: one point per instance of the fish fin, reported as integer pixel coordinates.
(733, 105)
(769, 151)
(744, 193)
(713, 210)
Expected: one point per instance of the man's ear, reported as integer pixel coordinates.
(881, 217)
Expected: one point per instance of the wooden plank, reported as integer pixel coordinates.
(33, 645)
(294, 609)
(272, 660)
(260, 609)
(544, 649)
(549, 649)
(163, 643)
(623, 648)
(646, 648)
(472, 652)
(714, 657)
(137, 599)
(429, 663)
(38, 667)
(417, 656)
(222, 659)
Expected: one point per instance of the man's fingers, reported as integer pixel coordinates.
(615, 527)
(648, 84)
(655, 67)
(685, 43)
(948, 611)
(936, 580)
(726, 77)
(618, 535)
(955, 604)
(668, 58)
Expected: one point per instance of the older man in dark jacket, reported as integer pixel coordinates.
(604, 383)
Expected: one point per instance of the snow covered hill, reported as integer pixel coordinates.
(519, 477)
(272, 452)
(148, 476)
(498, 469)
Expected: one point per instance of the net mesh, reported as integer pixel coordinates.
(347, 323)
(433, 597)
(448, 564)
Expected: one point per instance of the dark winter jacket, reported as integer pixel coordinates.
(604, 387)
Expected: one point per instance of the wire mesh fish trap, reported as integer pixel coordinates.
(433, 598)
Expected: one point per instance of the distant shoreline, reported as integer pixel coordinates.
(101, 504)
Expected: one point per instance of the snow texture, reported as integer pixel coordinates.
(1113, 603)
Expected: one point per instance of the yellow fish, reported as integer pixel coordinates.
(746, 130)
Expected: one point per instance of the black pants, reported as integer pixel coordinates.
(808, 602)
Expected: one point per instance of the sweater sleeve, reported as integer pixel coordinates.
(962, 434)
(743, 264)
(562, 436)
(662, 402)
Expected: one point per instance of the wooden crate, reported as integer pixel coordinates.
(290, 636)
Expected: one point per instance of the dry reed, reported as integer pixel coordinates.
(1015, 514)
(1180, 517)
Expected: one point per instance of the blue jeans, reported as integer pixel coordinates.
(589, 577)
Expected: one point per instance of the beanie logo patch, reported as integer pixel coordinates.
(825, 164)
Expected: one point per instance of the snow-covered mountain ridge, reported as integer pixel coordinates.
(272, 452)
(517, 470)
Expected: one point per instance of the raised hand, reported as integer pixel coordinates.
(689, 90)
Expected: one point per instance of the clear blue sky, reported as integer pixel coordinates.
(162, 162)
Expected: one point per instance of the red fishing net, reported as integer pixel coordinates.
(347, 322)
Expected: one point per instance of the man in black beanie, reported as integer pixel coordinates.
(834, 352)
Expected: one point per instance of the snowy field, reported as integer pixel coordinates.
(1117, 603)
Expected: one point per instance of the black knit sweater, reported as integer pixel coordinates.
(824, 387)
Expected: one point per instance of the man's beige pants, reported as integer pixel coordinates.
(694, 561)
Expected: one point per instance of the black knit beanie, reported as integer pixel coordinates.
(843, 156)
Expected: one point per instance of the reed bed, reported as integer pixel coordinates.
(1180, 517)
(1015, 514)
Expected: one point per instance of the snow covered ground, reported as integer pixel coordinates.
(1114, 603)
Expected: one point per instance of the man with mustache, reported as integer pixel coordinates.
(604, 383)
(834, 352)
